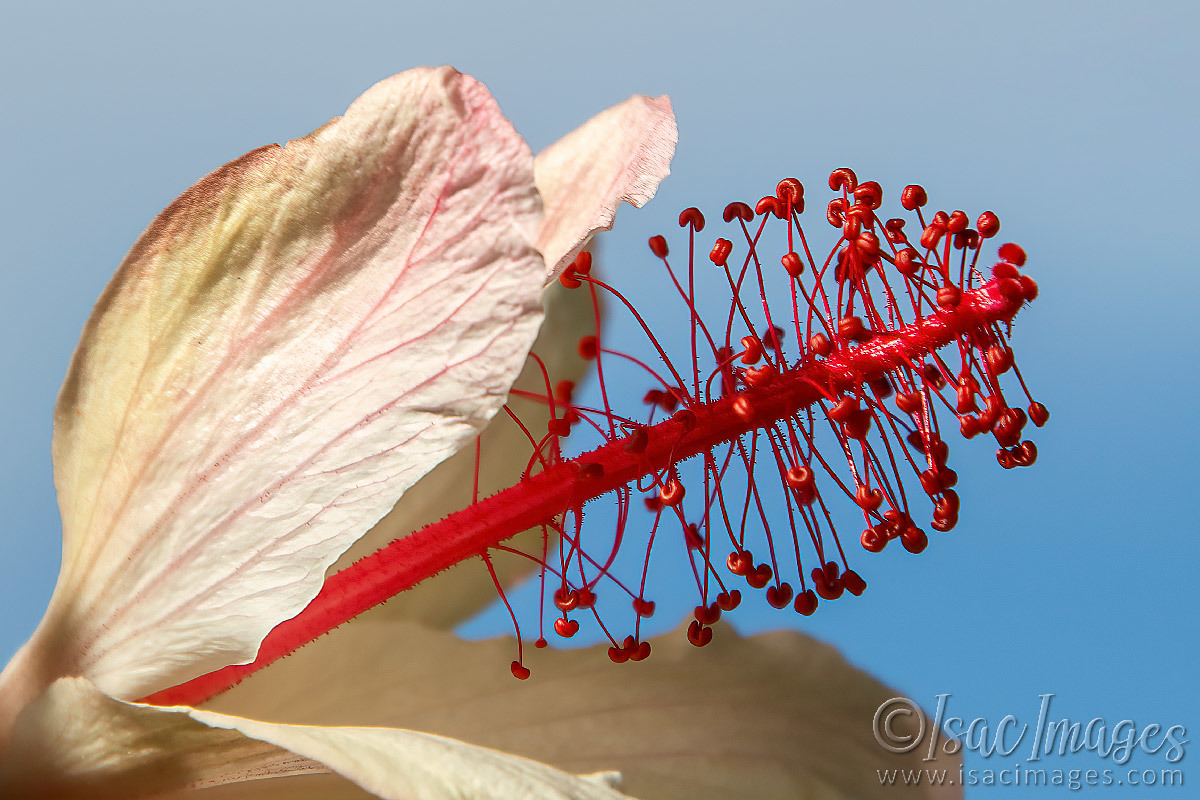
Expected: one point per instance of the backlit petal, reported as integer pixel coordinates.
(775, 716)
(289, 346)
(621, 154)
(452, 596)
(75, 741)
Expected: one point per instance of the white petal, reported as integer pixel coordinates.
(775, 716)
(75, 741)
(465, 589)
(291, 344)
(621, 154)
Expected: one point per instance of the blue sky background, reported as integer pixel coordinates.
(1077, 126)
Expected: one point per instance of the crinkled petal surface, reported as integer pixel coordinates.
(621, 154)
(504, 453)
(76, 742)
(290, 345)
(777, 716)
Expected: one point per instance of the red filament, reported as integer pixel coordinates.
(862, 384)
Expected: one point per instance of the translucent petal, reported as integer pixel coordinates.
(290, 345)
(621, 154)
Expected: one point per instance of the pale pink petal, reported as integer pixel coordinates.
(289, 346)
(775, 716)
(465, 589)
(621, 154)
(75, 741)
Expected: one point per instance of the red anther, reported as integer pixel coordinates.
(958, 222)
(913, 197)
(566, 599)
(999, 359)
(737, 211)
(939, 451)
(850, 231)
(933, 376)
(800, 478)
(872, 540)
(558, 427)
(853, 328)
(698, 635)
(1039, 414)
(931, 236)
(949, 296)
(707, 615)
(835, 212)
(740, 562)
(587, 598)
(869, 194)
(658, 246)
(769, 205)
(908, 261)
(966, 240)
(790, 189)
(881, 386)
(654, 396)
(988, 224)
(541, 643)
(895, 231)
(1003, 269)
(583, 262)
(854, 583)
(563, 391)
(653, 504)
(966, 400)
(831, 570)
(692, 537)
(719, 254)
(760, 576)
(519, 672)
(588, 347)
(949, 500)
(909, 402)
(914, 540)
(1013, 253)
(779, 596)
(643, 607)
(843, 178)
(751, 350)
(858, 425)
(931, 481)
(591, 471)
(570, 416)
(728, 601)
(671, 493)
(868, 499)
(569, 278)
(618, 655)
(683, 416)
(944, 524)
(868, 244)
(1029, 288)
(793, 264)
(641, 652)
(566, 628)
(940, 220)
(806, 603)
(820, 345)
(1027, 453)
(844, 408)
(693, 217)
(743, 408)
(772, 337)
(825, 589)
(1011, 289)
(637, 441)
(757, 376)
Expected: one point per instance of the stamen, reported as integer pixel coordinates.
(856, 364)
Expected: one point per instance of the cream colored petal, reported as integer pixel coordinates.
(465, 589)
(775, 716)
(289, 346)
(621, 154)
(75, 741)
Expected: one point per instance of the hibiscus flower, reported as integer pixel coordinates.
(288, 348)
